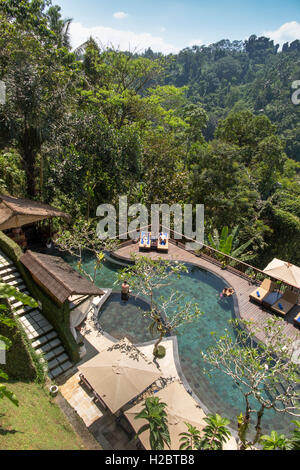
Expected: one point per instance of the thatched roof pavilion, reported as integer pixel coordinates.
(16, 212)
(57, 277)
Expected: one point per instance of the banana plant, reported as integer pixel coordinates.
(227, 243)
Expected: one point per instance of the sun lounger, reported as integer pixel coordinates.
(260, 293)
(297, 321)
(286, 303)
(145, 241)
(271, 298)
(164, 244)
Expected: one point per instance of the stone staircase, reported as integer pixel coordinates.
(40, 332)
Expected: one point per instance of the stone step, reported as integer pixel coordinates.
(5, 270)
(55, 344)
(58, 361)
(54, 373)
(5, 261)
(15, 303)
(22, 310)
(41, 333)
(7, 277)
(54, 353)
(16, 282)
(35, 324)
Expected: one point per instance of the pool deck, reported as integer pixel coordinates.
(102, 424)
(248, 311)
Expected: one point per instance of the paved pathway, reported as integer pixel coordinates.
(40, 332)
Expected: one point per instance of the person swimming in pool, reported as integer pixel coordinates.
(227, 292)
(125, 291)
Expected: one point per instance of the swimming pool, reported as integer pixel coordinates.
(217, 392)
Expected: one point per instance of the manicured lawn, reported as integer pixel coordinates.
(38, 423)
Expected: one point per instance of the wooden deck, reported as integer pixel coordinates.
(248, 310)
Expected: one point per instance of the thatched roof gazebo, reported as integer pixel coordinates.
(57, 277)
(15, 213)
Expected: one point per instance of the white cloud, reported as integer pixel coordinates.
(195, 42)
(125, 40)
(163, 29)
(120, 15)
(288, 32)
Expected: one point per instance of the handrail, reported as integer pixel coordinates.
(227, 257)
(217, 251)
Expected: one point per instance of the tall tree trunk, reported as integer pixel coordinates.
(29, 149)
(41, 178)
(29, 166)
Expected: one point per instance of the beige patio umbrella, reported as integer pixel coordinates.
(181, 408)
(284, 271)
(119, 374)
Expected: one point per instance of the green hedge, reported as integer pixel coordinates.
(20, 364)
(58, 316)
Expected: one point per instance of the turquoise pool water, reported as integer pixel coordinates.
(217, 391)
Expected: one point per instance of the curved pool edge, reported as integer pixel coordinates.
(176, 355)
(176, 361)
(236, 305)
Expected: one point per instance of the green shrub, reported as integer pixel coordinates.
(19, 364)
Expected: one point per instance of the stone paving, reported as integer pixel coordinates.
(37, 328)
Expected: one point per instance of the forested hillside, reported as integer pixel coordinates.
(212, 125)
(234, 76)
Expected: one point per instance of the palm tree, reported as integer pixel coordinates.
(61, 27)
(154, 413)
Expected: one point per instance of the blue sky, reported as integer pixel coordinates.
(169, 25)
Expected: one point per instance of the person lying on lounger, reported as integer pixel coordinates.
(162, 239)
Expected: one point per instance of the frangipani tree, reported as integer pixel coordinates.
(81, 238)
(267, 374)
(146, 277)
